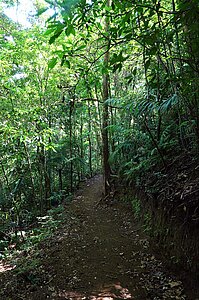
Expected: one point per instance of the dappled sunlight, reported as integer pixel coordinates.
(4, 268)
(71, 295)
(105, 292)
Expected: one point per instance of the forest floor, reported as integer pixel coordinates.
(99, 252)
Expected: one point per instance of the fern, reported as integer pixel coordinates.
(169, 103)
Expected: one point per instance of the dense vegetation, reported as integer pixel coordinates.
(112, 83)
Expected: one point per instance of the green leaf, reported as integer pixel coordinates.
(139, 10)
(65, 61)
(147, 64)
(52, 63)
(50, 2)
(117, 67)
(113, 5)
(129, 79)
(60, 28)
(108, 8)
(135, 71)
(49, 31)
(126, 18)
(51, 17)
(54, 37)
(128, 36)
(59, 53)
(70, 30)
(80, 48)
(152, 51)
(41, 11)
(118, 58)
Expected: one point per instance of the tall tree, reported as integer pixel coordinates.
(105, 114)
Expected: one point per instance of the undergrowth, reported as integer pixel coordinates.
(23, 251)
(139, 213)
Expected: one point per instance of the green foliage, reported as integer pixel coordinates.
(52, 105)
(136, 206)
(42, 230)
(147, 223)
(27, 268)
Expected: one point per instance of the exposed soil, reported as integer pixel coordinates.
(171, 197)
(99, 253)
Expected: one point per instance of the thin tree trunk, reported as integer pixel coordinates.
(89, 127)
(6, 177)
(155, 144)
(105, 113)
(89, 140)
(47, 183)
(71, 146)
(60, 179)
(30, 172)
(81, 147)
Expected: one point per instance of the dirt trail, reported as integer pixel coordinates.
(102, 255)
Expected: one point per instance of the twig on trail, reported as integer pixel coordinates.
(109, 197)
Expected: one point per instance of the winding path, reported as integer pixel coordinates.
(101, 255)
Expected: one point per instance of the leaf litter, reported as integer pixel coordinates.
(98, 252)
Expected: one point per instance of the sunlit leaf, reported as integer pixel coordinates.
(70, 30)
(41, 11)
(52, 63)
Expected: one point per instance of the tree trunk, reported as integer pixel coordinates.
(71, 144)
(89, 140)
(105, 113)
